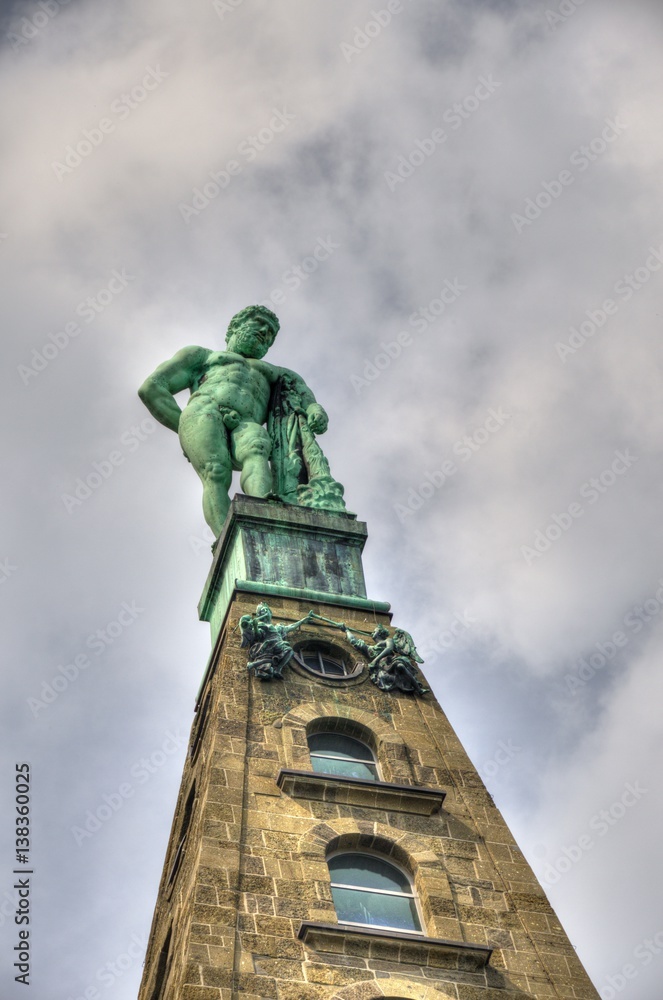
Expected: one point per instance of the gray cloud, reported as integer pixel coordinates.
(460, 553)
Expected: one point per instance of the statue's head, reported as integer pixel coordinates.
(264, 612)
(252, 331)
(380, 632)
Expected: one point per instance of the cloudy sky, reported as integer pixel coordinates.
(482, 182)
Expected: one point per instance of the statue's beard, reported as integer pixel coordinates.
(246, 343)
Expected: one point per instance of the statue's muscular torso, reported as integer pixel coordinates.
(233, 382)
(223, 424)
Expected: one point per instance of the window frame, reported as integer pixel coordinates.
(333, 653)
(189, 807)
(163, 965)
(386, 892)
(372, 763)
(201, 727)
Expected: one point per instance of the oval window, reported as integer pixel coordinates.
(326, 662)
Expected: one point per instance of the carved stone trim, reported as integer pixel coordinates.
(360, 792)
(410, 949)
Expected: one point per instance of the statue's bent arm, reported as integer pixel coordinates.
(358, 644)
(157, 391)
(296, 625)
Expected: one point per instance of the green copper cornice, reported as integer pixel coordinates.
(298, 594)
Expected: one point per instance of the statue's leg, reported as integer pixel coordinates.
(251, 447)
(204, 439)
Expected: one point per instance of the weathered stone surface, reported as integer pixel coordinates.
(276, 549)
(252, 863)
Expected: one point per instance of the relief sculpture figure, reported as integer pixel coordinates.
(270, 650)
(392, 660)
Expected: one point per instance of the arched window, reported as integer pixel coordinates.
(201, 725)
(163, 968)
(184, 829)
(335, 753)
(371, 892)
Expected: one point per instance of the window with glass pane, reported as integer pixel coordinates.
(323, 662)
(371, 892)
(333, 753)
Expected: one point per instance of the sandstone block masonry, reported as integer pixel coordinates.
(245, 905)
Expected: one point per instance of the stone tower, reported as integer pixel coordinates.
(332, 840)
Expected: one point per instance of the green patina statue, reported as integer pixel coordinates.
(234, 394)
(392, 660)
(269, 649)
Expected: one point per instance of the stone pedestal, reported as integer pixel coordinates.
(276, 549)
